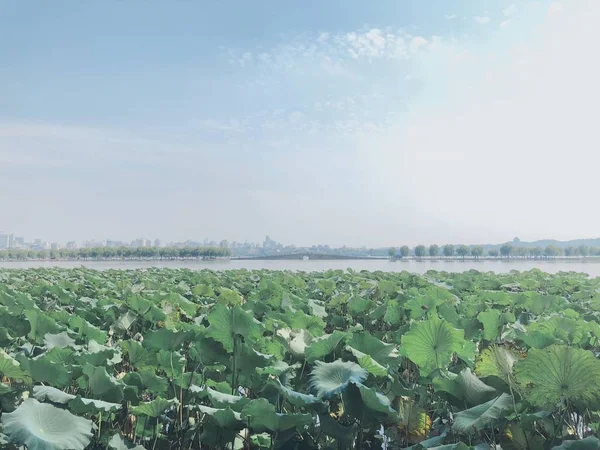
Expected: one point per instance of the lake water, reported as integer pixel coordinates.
(591, 267)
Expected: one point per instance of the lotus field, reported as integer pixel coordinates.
(182, 359)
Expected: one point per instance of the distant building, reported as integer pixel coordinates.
(224, 243)
(71, 245)
(19, 241)
(141, 242)
(6, 240)
(37, 243)
(55, 246)
(157, 243)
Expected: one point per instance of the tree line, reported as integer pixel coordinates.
(117, 253)
(505, 251)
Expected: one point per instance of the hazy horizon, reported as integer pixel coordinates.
(346, 123)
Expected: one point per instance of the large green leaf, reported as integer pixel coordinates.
(41, 324)
(222, 400)
(52, 394)
(60, 340)
(41, 426)
(559, 374)
(482, 416)
(80, 405)
(327, 379)
(324, 345)
(497, 362)
(382, 353)
(44, 370)
(297, 398)
(431, 344)
(377, 403)
(163, 339)
(260, 415)
(368, 363)
(10, 368)
(224, 417)
(154, 408)
(87, 330)
(464, 388)
(491, 323)
(226, 324)
(101, 384)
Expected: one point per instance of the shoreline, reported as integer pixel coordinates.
(428, 259)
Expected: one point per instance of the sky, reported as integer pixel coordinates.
(343, 122)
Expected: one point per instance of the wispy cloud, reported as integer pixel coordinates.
(482, 20)
(368, 43)
(450, 16)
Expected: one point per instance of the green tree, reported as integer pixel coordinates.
(477, 251)
(448, 250)
(420, 251)
(551, 251)
(462, 251)
(392, 252)
(434, 250)
(506, 250)
(536, 252)
(404, 251)
(584, 250)
(493, 252)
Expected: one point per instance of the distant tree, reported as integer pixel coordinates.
(404, 251)
(434, 250)
(520, 251)
(516, 240)
(570, 251)
(551, 251)
(506, 250)
(536, 252)
(493, 252)
(477, 251)
(463, 250)
(392, 252)
(584, 250)
(448, 250)
(420, 251)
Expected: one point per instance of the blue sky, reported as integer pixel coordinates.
(340, 122)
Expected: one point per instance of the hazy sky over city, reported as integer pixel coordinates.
(340, 122)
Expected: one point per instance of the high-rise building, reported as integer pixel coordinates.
(141, 242)
(6, 240)
(19, 241)
(71, 245)
(224, 244)
(157, 243)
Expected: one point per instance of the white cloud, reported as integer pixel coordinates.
(481, 20)
(509, 11)
(505, 23)
(450, 16)
(323, 37)
(480, 155)
(331, 49)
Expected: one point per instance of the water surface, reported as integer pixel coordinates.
(591, 267)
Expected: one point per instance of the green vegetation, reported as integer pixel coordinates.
(504, 251)
(180, 359)
(125, 253)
